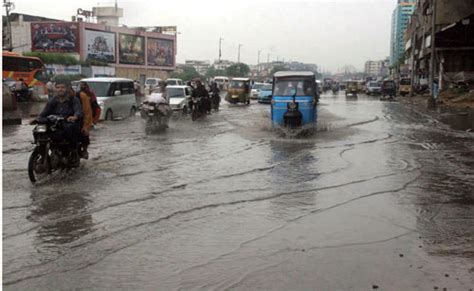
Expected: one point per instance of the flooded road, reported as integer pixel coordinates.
(380, 198)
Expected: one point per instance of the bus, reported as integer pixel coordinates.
(30, 69)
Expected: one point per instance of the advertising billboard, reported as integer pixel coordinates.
(160, 52)
(60, 37)
(100, 46)
(131, 49)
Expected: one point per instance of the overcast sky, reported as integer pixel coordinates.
(329, 33)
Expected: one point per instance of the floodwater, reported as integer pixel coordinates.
(381, 197)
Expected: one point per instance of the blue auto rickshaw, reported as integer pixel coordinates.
(295, 98)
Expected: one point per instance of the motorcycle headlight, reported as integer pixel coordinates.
(151, 107)
(41, 128)
(292, 105)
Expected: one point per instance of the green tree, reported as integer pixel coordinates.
(188, 73)
(212, 72)
(238, 70)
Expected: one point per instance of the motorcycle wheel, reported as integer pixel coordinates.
(35, 157)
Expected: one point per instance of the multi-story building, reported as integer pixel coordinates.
(200, 66)
(133, 53)
(400, 18)
(377, 68)
(222, 64)
(454, 40)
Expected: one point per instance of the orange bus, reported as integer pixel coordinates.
(30, 69)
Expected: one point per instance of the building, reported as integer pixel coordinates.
(400, 18)
(200, 66)
(222, 64)
(377, 68)
(135, 53)
(21, 31)
(454, 42)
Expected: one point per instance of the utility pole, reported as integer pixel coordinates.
(220, 51)
(9, 6)
(432, 102)
(268, 58)
(258, 62)
(238, 59)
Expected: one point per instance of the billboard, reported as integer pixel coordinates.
(160, 52)
(131, 49)
(60, 37)
(100, 46)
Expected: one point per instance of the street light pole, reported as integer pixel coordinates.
(238, 59)
(268, 58)
(220, 51)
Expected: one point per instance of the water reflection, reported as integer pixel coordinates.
(296, 166)
(63, 218)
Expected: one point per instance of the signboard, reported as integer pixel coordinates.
(55, 37)
(160, 52)
(131, 49)
(100, 46)
(53, 69)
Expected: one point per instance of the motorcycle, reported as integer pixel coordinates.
(49, 156)
(215, 101)
(199, 107)
(156, 115)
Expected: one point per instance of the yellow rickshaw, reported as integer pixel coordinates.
(352, 88)
(239, 91)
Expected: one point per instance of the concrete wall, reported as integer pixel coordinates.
(134, 73)
(21, 36)
(450, 11)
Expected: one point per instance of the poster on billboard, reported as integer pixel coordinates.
(131, 49)
(100, 46)
(160, 52)
(55, 37)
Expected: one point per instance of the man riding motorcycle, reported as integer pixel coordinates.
(67, 106)
(201, 91)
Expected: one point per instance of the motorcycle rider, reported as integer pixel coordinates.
(215, 91)
(201, 91)
(67, 106)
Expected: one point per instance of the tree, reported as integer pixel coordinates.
(212, 72)
(238, 70)
(188, 73)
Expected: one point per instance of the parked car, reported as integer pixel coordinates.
(174, 82)
(265, 94)
(116, 96)
(179, 97)
(255, 90)
(373, 88)
(152, 83)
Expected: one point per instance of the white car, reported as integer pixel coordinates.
(173, 82)
(179, 97)
(256, 90)
(116, 96)
(152, 83)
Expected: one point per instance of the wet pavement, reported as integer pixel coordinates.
(380, 198)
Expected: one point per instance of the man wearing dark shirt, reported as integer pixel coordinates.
(68, 107)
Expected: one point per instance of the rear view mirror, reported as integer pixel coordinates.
(117, 93)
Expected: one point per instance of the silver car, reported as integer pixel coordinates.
(116, 96)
